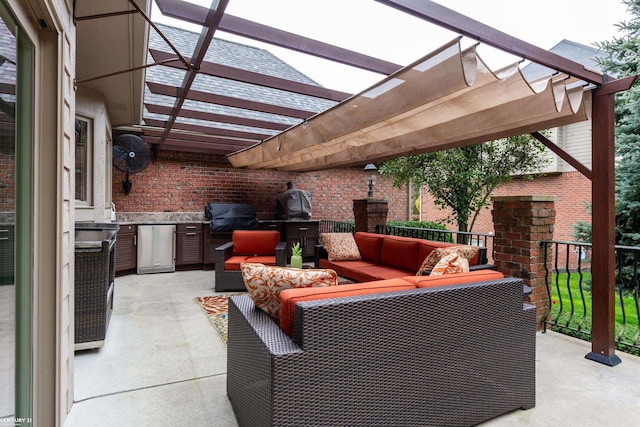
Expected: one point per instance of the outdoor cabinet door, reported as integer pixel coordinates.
(304, 232)
(189, 244)
(7, 258)
(126, 248)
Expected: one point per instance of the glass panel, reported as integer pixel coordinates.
(8, 61)
(16, 209)
(82, 160)
(25, 112)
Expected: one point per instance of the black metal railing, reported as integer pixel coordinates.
(568, 283)
(336, 226)
(460, 237)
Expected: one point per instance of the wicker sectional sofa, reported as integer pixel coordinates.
(387, 257)
(457, 354)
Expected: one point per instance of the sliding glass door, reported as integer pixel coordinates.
(16, 200)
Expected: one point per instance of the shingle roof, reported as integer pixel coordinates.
(582, 54)
(235, 55)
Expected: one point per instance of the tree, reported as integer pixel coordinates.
(582, 229)
(464, 178)
(622, 58)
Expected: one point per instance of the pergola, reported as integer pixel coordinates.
(446, 99)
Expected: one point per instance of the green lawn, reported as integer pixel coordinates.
(579, 324)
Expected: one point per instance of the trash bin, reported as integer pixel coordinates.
(95, 245)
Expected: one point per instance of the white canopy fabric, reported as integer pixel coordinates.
(447, 99)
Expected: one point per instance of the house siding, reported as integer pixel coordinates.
(66, 310)
(577, 142)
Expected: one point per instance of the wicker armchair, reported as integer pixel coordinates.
(261, 246)
(456, 355)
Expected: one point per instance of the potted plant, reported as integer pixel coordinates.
(296, 255)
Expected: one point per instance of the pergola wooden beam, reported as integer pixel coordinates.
(223, 143)
(178, 144)
(229, 101)
(221, 118)
(563, 154)
(211, 23)
(252, 137)
(603, 241)
(446, 18)
(237, 74)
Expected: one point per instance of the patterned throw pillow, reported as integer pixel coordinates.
(340, 247)
(265, 282)
(467, 252)
(450, 264)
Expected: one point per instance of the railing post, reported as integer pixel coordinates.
(521, 223)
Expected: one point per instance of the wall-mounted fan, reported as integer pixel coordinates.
(131, 155)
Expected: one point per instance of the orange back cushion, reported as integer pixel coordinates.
(400, 252)
(255, 242)
(369, 245)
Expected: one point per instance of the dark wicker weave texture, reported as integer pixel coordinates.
(443, 356)
(94, 282)
(231, 280)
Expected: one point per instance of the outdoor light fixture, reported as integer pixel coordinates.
(370, 167)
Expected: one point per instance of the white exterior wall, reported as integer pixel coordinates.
(577, 140)
(91, 105)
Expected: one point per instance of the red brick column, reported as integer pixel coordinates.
(370, 212)
(520, 223)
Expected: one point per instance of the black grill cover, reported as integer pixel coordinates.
(292, 204)
(230, 216)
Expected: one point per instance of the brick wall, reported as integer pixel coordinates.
(521, 222)
(7, 175)
(570, 191)
(185, 182)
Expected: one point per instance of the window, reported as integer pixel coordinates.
(83, 161)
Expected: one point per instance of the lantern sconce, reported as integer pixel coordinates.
(370, 168)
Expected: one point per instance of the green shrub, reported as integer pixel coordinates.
(418, 224)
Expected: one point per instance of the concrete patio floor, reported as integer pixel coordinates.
(164, 365)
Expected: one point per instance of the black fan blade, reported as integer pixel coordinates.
(138, 159)
(133, 153)
(120, 156)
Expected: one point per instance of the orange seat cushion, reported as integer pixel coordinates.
(289, 297)
(233, 263)
(382, 272)
(264, 259)
(255, 242)
(454, 279)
